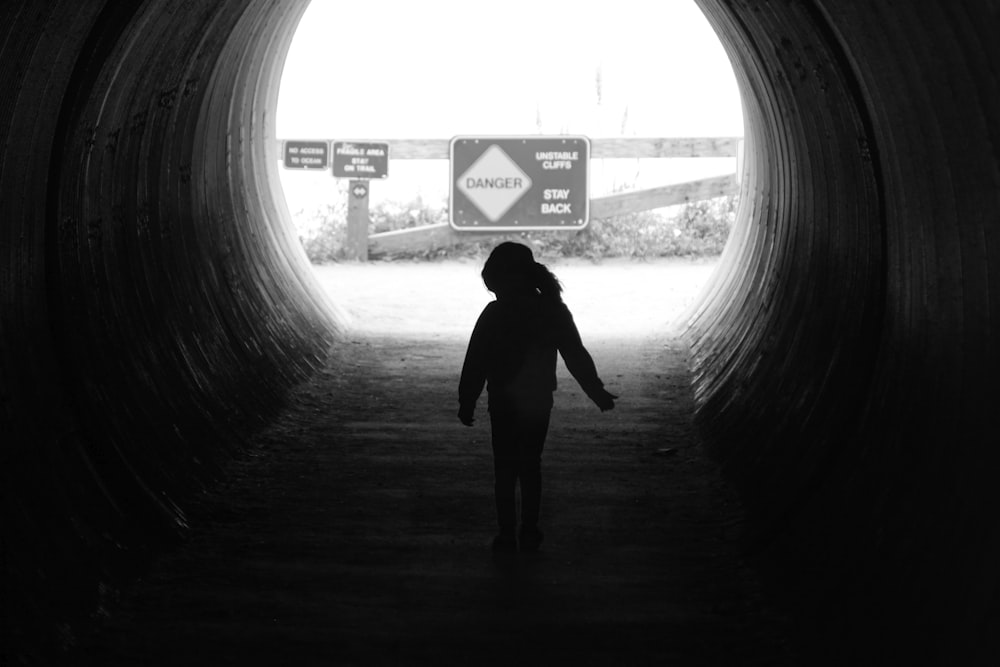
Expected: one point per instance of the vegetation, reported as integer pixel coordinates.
(696, 229)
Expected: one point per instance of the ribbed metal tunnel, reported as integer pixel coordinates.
(156, 307)
(846, 355)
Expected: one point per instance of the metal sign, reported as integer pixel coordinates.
(359, 190)
(360, 160)
(510, 183)
(307, 155)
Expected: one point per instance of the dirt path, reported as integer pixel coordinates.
(358, 531)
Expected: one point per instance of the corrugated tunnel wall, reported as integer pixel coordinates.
(156, 307)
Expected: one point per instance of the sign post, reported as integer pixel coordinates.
(519, 183)
(356, 243)
(359, 161)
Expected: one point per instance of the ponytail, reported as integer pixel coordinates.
(547, 283)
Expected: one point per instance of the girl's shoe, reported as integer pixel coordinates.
(504, 544)
(531, 540)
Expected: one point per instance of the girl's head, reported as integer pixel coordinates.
(511, 269)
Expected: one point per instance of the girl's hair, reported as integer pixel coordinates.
(547, 283)
(512, 264)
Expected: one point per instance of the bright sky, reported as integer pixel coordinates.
(386, 69)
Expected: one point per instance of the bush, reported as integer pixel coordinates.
(322, 233)
(389, 216)
(698, 229)
(705, 225)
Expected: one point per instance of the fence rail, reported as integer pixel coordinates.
(622, 203)
(427, 237)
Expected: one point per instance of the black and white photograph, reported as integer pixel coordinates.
(461, 333)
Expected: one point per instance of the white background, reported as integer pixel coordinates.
(382, 69)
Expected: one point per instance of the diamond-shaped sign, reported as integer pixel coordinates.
(494, 183)
(504, 183)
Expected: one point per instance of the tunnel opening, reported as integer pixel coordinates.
(544, 91)
(157, 309)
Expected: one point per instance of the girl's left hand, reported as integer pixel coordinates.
(604, 399)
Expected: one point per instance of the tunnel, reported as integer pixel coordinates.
(157, 307)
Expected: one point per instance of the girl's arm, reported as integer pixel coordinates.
(470, 386)
(581, 365)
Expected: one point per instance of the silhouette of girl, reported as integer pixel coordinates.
(513, 350)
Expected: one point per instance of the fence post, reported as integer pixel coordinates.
(356, 246)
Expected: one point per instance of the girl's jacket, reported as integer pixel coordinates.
(513, 351)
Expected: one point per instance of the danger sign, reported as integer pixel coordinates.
(505, 183)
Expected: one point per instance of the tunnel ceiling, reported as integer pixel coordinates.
(156, 307)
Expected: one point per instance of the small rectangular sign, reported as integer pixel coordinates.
(527, 182)
(307, 155)
(352, 159)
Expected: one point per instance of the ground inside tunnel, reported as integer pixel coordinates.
(356, 530)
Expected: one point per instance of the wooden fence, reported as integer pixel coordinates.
(438, 235)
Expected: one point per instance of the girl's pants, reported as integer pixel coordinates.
(518, 439)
